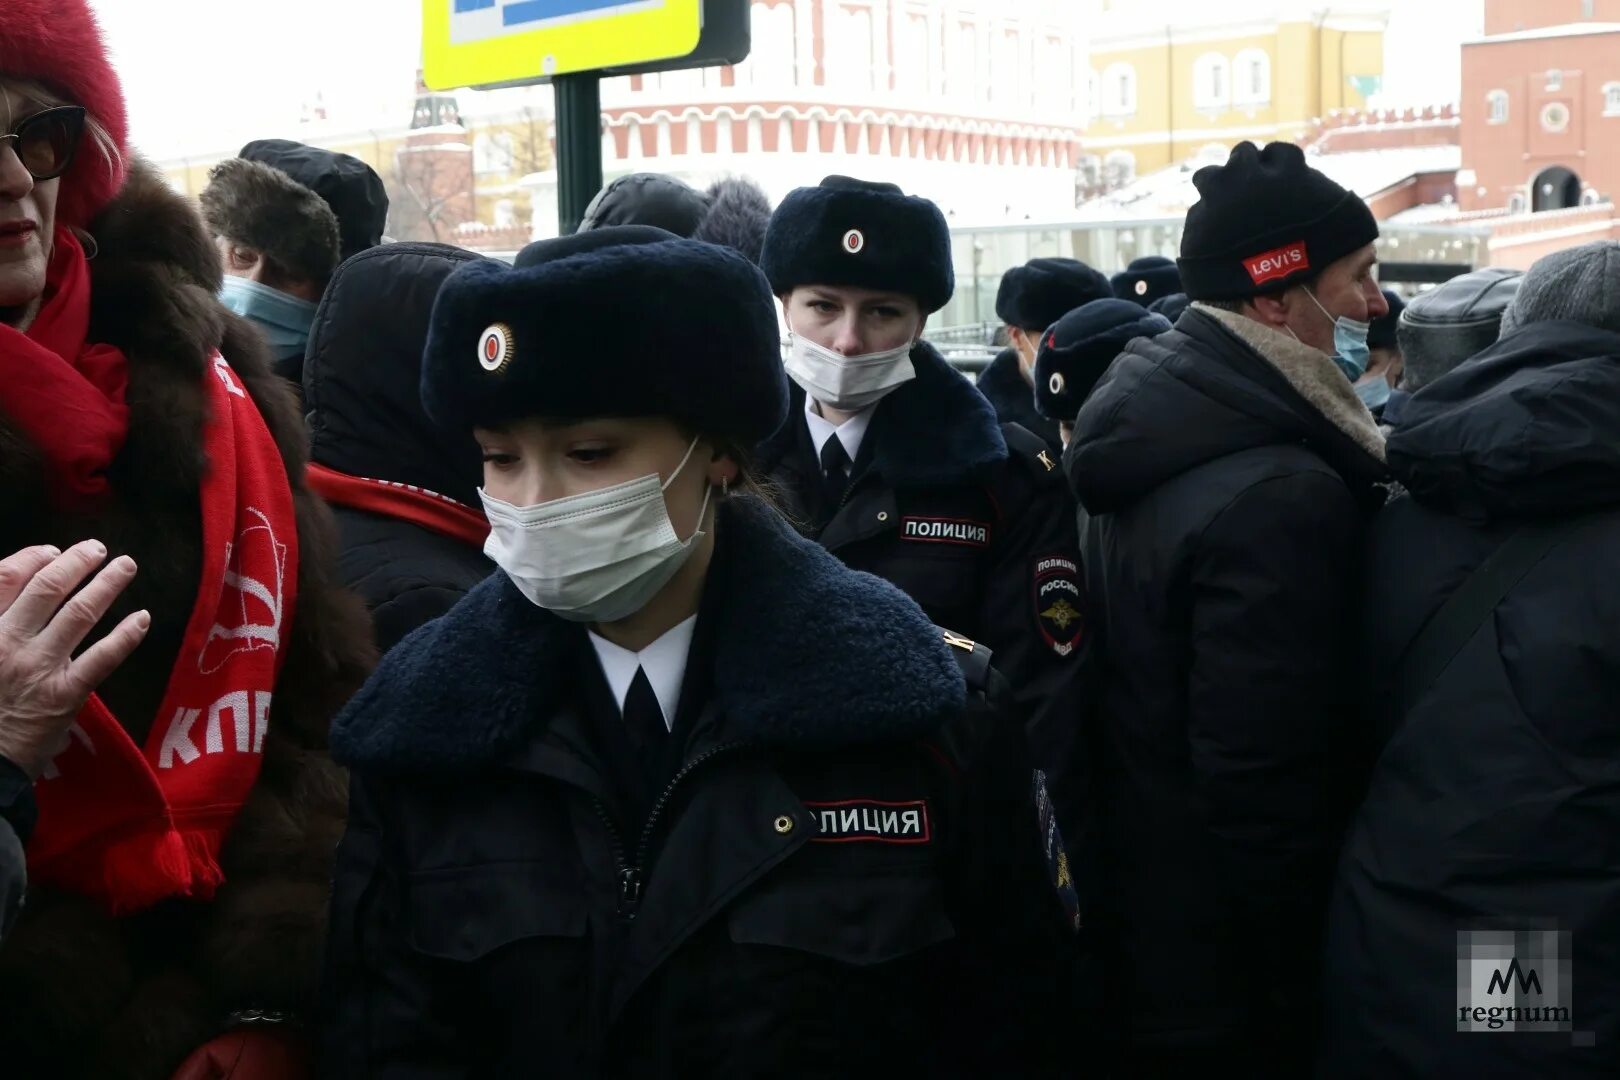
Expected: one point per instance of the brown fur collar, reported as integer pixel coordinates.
(81, 994)
(1310, 372)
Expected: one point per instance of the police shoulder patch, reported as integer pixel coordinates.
(1059, 608)
(1058, 868)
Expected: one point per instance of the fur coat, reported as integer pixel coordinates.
(82, 994)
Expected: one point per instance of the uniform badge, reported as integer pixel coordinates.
(1058, 608)
(1141, 288)
(854, 241)
(871, 821)
(495, 347)
(936, 530)
(1044, 457)
(1057, 856)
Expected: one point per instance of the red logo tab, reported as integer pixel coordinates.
(1277, 263)
(870, 820)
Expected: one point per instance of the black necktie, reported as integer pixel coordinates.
(644, 721)
(834, 472)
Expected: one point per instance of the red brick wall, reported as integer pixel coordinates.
(1507, 16)
(1506, 157)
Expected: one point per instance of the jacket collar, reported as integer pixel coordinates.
(933, 430)
(808, 655)
(1312, 375)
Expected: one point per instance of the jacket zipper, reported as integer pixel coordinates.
(631, 875)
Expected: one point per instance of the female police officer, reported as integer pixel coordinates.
(894, 462)
(675, 793)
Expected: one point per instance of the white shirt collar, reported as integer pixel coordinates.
(664, 661)
(850, 432)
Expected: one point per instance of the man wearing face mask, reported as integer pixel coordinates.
(1029, 299)
(892, 460)
(1229, 470)
(278, 246)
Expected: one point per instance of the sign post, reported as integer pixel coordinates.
(486, 44)
(579, 146)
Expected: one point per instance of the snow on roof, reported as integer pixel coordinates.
(1566, 30)
(1170, 192)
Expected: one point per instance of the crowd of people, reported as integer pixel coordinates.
(415, 665)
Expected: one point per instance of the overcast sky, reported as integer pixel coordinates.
(205, 76)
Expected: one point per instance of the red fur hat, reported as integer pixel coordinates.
(59, 44)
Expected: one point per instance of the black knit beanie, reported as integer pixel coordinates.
(1264, 221)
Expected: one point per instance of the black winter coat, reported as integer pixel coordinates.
(846, 874)
(1498, 796)
(1004, 386)
(361, 377)
(968, 517)
(1226, 513)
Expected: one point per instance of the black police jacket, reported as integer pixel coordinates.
(1223, 543)
(1496, 801)
(1009, 393)
(969, 517)
(848, 872)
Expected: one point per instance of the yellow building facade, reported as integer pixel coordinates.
(1170, 80)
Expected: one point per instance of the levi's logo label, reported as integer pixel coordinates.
(945, 531)
(854, 820)
(1279, 262)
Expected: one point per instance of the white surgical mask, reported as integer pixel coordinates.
(848, 383)
(596, 557)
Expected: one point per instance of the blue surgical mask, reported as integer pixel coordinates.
(1350, 350)
(1373, 392)
(284, 319)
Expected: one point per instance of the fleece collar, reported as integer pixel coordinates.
(1311, 373)
(936, 429)
(809, 655)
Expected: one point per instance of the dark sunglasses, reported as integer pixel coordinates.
(47, 141)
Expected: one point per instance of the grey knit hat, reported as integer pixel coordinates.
(1581, 284)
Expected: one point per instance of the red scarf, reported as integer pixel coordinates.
(418, 505)
(132, 826)
(65, 394)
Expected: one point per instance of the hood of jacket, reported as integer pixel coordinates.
(738, 214)
(1530, 427)
(1216, 384)
(362, 374)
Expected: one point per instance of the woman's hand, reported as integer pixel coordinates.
(42, 621)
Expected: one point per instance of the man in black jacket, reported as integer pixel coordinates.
(1495, 805)
(892, 460)
(405, 493)
(1228, 469)
(1029, 299)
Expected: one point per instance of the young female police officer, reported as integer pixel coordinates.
(675, 793)
(892, 460)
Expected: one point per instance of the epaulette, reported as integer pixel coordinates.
(973, 658)
(1024, 446)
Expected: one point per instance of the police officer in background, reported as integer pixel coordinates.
(676, 793)
(1076, 350)
(891, 459)
(1029, 299)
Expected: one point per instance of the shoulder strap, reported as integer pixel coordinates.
(1453, 625)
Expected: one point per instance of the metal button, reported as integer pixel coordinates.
(883, 515)
(784, 824)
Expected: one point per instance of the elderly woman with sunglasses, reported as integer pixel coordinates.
(171, 778)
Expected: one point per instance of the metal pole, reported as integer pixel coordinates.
(579, 146)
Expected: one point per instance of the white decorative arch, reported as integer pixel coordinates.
(1251, 77)
(1212, 82)
(1119, 90)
